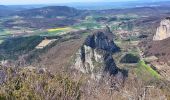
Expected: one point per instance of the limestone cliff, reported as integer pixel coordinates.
(163, 31)
(95, 56)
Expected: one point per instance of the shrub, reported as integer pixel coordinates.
(26, 84)
(130, 58)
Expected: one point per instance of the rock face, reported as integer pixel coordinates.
(95, 56)
(163, 30)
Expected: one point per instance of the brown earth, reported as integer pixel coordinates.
(160, 49)
(58, 57)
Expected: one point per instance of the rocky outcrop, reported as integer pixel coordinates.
(163, 30)
(95, 56)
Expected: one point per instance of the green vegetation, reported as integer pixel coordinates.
(127, 17)
(130, 58)
(58, 32)
(114, 27)
(16, 46)
(53, 33)
(1, 41)
(21, 43)
(85, 34)
(145, 72)
(34, 84)
(90, 18)
(1, 29)
(5, 32)
(87, 25)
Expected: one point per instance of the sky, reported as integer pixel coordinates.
(13, 2)
(16, 2)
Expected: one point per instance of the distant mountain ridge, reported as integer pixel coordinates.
(4, 10)
(116, 5)
(50, 12)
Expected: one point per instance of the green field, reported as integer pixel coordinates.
(145, 72)
(1, 40)
(54, 33)
(87, 25)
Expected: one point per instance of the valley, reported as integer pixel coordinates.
(66, 53)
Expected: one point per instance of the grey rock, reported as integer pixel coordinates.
(95, 56)
(163, 31)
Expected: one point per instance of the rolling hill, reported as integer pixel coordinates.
(5, 10)
(50, 12)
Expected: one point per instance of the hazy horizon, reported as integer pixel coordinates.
(21, 2)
